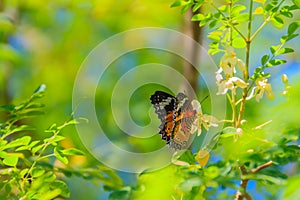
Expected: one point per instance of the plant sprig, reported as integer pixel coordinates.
(27, 172)
(231, 29)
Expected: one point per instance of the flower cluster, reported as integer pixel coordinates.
(226, 79)
(228, 64)
(262, 87)
(202, 119)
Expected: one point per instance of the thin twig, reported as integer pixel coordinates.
(262, 125)
(260, 28)
(229, 22)
(253, 171)
(242, 193)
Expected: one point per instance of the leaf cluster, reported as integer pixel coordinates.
(28, 168)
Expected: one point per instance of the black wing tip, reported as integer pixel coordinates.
(158, 94)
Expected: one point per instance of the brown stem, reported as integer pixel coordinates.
(243, 186)
(253, 171)
(242, 193)
(242, 107)
(246, 72)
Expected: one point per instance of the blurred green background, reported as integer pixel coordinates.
(46, 42)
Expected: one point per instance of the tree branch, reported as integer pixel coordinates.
(253, 171)
(242, 193)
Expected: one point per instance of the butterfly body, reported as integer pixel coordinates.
(176, 115)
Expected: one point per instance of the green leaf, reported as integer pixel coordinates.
(212, 172)
(265, 59)
(213, 23)
(24, 172)
(237, 9)
(72, 151)
(114, 181)
(276, 62)
(273, 49)
(228, 132)
(187, 156)
(214, 48)
(37, 172)
(277, 22)
(229, 129)
(242, 17)
(123, 194)
(78, 120)
(215, 35)
(22, 148)
(49, 177)
(8, 188)
(291, 36)
(284, 51)
(263, 177)
(8, 107)
(293, 27)
(3, 154)
(23, 128)
(20, 107)
(18, 142)
(1, 185)
(297, 3)
(208, 18)
(223, 8)
(188, 185)
(33, 143)
(2, 143)
(275, 9)
(271, 5)
(54, 139)
(51, 194)
(52, 128)
(198, 5)
(37, 148)
(65, 192)
(186, 8)
(198, 17)
(292, 148)
(238, 43)
(217, 15)
(179, 3)
(286, 13)
(11, 160)
(287, 37)
(60, 157)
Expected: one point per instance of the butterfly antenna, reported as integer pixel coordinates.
(204, 99)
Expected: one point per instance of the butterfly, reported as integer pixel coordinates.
(177, 115)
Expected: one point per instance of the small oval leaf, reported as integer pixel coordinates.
(11, 160)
